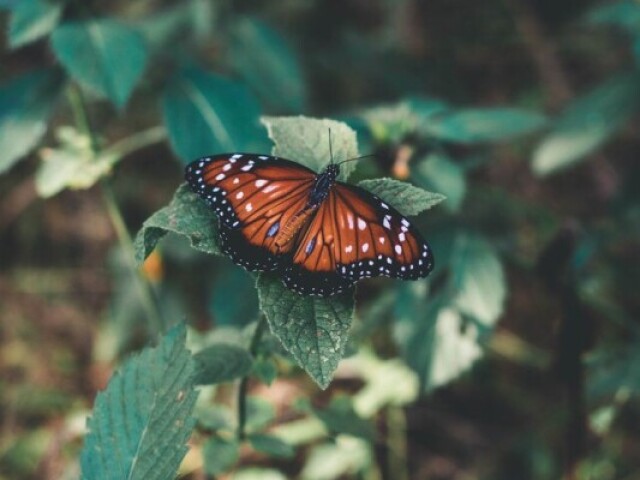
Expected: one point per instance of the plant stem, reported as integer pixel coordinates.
(81, 116)
(397, 442)
(244, 383)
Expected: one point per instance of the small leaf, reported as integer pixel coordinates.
(438, 173)
(142, 421)
(104, 55)
(409, 200)
(73, 165)
(206, 113)
(347, 457)
(220, 455)
(271, 446)
(26, 102)
(588, 123)
(186, 215)
(340, 417)
(260, 414)
(267, 63)
(255, 473)
(314, 330)
(483, 125)
(32, 20)
(306, 141)
(266, 370)
(221, 363)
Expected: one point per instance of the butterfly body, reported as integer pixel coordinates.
(320, 234)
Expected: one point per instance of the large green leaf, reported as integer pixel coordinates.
(588, 123)
(186, 215)
(483, 125)
(313, 329)
(444, 340)
(142, 421)
(104, 55)
(409, 200)
(205, 114)
(267, 63)
(26, 102)
(32, 19)
(306, 141)
(220, 455)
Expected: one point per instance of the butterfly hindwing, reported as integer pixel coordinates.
(356, 235)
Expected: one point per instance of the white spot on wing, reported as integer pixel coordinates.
(220, 176)
(348, 248)
(402, 237)
(239, 195)
(236, 181)
(226, 168)
(261, 183)
(362, 224)
(248, 207)
(398, 249)
(365, 247)
(270, 188)
(350, 221)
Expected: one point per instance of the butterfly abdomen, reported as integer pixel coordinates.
(284, 239)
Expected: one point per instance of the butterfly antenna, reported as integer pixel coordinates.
(330, 147)
(356, 158)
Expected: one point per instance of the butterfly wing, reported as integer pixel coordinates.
(356, 235)
(254, 196)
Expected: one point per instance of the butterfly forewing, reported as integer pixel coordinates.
(254, 196)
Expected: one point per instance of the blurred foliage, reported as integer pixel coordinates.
(513, 123)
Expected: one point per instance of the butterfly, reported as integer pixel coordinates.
(321, 235)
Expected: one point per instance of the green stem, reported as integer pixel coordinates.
(244, 383)
(81, 116)
(397, 442)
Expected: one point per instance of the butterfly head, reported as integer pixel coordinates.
(332, 171)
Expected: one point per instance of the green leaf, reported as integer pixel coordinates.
(260, 414)
(220, 455)
(271, 445)
(221, 363)
(347, 457)
(26, 102)
(483, 125)
(409, 200)
(314, 330)
(443, 341)
(104, 55)
(265, 369)
(186, 215)
(32, 20)
(267, 63)
(623, 13)
(306, 141)
(438, 173)
(340, 417)
(73, 165)
(206, 113)
(478, 279)
(588, 123)
(142, 421)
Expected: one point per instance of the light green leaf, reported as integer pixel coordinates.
(103, 55)
(483, 125)
(313, 329)
(438, 173)
(478, 279)
(306, 141)
(588, 123)
(344, 458)
(221, 363)
(260, 413)
(206, 113)
(271, 445)
(220, 455)
(31, 20)
(73, 165)
(409, 200)
(26, 102)
(186, 215)
(268, 64)
(142, 421)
